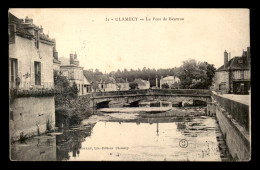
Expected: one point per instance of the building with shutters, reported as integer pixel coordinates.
(234, 76)
(74, 72)
(31, 83)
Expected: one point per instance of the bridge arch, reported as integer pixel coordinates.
(152, 95)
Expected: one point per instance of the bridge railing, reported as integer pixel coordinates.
(238, 111)
(119, 93)
(182, 91)
(154, 92)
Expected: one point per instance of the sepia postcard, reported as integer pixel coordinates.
(128, 84)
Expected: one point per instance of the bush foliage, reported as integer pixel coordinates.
(69, 108)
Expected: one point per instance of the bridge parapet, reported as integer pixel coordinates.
(154, 92)
(238, 111)
(119, 93)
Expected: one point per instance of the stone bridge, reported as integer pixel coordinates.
(134, 96)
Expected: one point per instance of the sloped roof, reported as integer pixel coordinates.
(56, 61)
(64, 61)
(20, 30)
(23, 32)
(170, 78)
(86, 80)
(141, 82)
(95, 79)
(236, 63)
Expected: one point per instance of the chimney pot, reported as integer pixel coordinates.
(248, 54)
(71, 59)
(225, 59)
(28, 20)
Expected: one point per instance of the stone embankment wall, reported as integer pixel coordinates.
(30, 116)
(233, 119)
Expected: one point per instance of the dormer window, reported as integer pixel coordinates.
(240, 61)
(36, 35)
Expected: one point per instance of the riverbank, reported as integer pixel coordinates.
(71, 111)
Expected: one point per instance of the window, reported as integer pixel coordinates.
(71, 74)
(246, 74)
(11, 33)
(242, 74)
(13, 72)
(36, 34)
(37, 72)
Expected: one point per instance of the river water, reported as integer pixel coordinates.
(185, 139)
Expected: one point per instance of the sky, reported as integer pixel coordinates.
(201, 34)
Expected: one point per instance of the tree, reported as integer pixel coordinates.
(210, 74)
(174, 85)
(188, 71)
(165, 85)
(74, 88)
(61, 82)
(195, 75)
(133, 85)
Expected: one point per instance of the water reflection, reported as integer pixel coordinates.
(126, 141)
(71, 141)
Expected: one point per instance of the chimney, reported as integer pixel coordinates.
(41, 30)
(156, 81)
(248, 55)
(75, 56)
(225, 59)
(229, 56)
(28, 20)
(71, 59)
(55, 53)
(76, 62)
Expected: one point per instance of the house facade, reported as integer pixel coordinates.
(74, 72)
(87, 85)
(122, 85)
(30, 74)
(112, 84)
(109, 84)
(142, 84)
(172, 81)
(234, 75)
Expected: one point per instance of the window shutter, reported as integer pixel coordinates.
(10, 70)
(32, 73)
(42, 74)
(20, 72)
